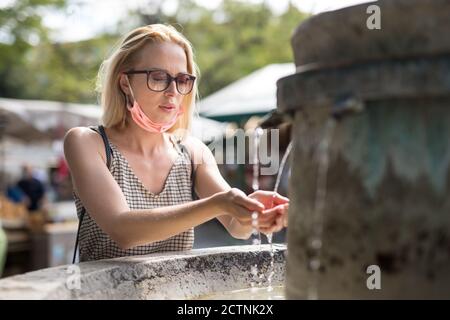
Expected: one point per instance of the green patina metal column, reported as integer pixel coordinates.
(387, 202)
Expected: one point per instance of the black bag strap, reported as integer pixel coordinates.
(101, 130)
(194, 194)
(107, 146)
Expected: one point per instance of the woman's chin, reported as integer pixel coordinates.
(160, 116)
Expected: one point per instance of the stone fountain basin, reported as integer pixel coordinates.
(174, 275)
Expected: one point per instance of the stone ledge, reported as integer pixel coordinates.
(174, 275)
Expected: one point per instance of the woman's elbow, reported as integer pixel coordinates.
(120, 240)
(120, 237)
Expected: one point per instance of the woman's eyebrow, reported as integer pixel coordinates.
(162, 69)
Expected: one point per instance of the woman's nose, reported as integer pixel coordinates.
(172, 88)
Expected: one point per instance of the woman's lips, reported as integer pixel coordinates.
(167, 108)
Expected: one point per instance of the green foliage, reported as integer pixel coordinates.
(20, 29)
(70, 72)
(229, 43)
(234, 40)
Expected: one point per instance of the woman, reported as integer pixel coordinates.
(138, 200)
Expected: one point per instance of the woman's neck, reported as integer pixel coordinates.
(138, 140)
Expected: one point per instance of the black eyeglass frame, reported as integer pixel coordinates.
(149, 71)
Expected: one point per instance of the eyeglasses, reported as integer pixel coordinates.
(159, 80)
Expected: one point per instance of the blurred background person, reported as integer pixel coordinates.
(33, 189)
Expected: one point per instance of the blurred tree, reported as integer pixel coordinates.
(20, 29)
(229, 43)
(233, 40)
(68, 73)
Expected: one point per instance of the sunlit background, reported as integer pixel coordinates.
(50, 52)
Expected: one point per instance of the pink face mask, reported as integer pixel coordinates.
(144, 122)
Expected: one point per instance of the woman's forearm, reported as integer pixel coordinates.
(139, 227)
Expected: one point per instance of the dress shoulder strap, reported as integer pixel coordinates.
(193, 170)
(101, 131)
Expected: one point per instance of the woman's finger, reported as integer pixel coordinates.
(268, 230)
(266, 220)
(243, 215)
(274, 225)
(279, 199)
(270, 197)
(264, 224)
(280, 209)
(265, 230)
(279, 223)
(249, 203)
(268, 215)
(285, 215)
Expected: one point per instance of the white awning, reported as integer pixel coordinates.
(253, 94)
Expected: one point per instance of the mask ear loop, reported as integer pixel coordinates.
(129, 105)
(124, 118)
(127, 102)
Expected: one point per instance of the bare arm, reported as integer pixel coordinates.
(105, 202)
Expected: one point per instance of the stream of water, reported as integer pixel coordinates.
(315, 238)
(257, 276)
(270, 235)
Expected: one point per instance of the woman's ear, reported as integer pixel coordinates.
(124, 84)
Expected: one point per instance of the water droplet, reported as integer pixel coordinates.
(259, 131)
(254, 269)
(314, 264)
(316, 244)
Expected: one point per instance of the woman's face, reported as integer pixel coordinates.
(158, 106)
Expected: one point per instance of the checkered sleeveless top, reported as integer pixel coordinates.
(94, 244)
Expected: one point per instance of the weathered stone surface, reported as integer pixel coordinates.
(408, 28)
(180, 275)
(386, 93)
(414, 78)
(387, 202)
(339, 59)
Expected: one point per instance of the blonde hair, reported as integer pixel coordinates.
(113, 99)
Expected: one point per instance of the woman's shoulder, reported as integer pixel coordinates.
(83, 141)
(81, 135)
